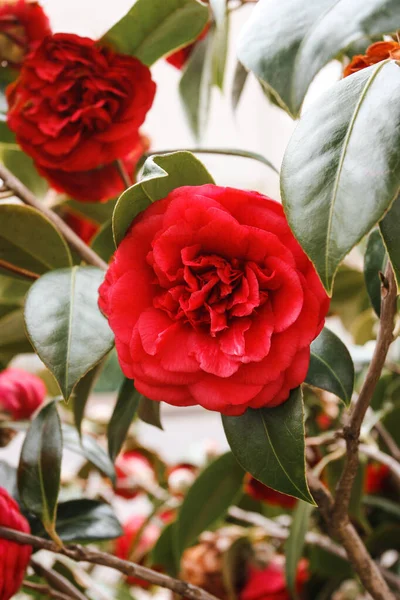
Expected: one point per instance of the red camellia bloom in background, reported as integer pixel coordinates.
(270, 583)
(134, 473)
(21, 393)
(180, 478)
(23, 24)
(377, 478)
(14, 558)
(77, 106)
(375, 54)
(82, 227)
(259, 491)
(96, 185)
(228, 306)
(125, 543)
(179, 58)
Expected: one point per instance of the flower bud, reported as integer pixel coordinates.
(21, 393)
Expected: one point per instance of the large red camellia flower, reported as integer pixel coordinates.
(14, 558)
(213, 302)
(21, 393)
(76, 105)
(23, 24)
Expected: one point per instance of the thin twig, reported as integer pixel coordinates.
(119, 165)
(4, 264)
(57, 581)
(352, 431)
(81, 554)
(44, 590)
(388, 440)
(24, 194)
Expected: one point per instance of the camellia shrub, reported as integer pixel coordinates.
(127, 270)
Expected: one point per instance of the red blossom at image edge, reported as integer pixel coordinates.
(228, 306)
(14, 558)
(375, 53)
(23, 25)
(269, 583)
(77, 106)
(21, 393)
(179, 58)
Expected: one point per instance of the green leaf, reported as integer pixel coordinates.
(274, 451)
(111, 376)
(220, 40)
(208, 499)
(196, 84)
(30, 241)
(99, 212)
(88, 447)
(23, 167)
(12, 294)
(122, 417)
(235, 561)
(13, 338)
(294, 545)
(331, 367)
(39, 468)
(63, 321)
(163, 553)
(153, 29)
(374, 263)
(84, 521)
(390, 230)
(81, 396)
(103, 242)
(239, 81)
(149, 412)
(162, 173)
(331, 195)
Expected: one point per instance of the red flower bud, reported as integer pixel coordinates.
(126, 549)
(21, 393)
(134, 472)
(180, 478)
(14, 558)
(377, 478)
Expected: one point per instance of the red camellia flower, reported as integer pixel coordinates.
(125, 543)
(375, 54)
(21, 393)
(23, 24)
(134, 471)
(228, 306)
(14, 558)
(82, 227)
(179, 58)
(377, 478)
(270, 583)
(259, 491)
(77, 106)
(96, 185)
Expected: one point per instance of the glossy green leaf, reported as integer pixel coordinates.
(149, 412)
(98, 212)
(331, 194)
(12, 293)
(195, 85)
(294, 545)
(374, 264)
(239, 82)
(207, 501)
(122, 417)
(63, 321)
(84, 521)
(103, 242)
(286, 44)
(30, 241)
(274, 451)
(390, 230)
(163, 553)
(331, 367)
(153, 29)
(81, 395)
(162, 173)
(23, 167)
(111, 376)
(88, 447)
(13, 338)
(39, 468)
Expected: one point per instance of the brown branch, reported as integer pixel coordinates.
(352, 430)
(57, 581)
(45, 591)
(119, 165)
(4, 264)
(81, 554)
(24, 194)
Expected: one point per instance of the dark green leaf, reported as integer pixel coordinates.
(111, 376)
(162, 173)
(103, 242)
(239, 81)
(88, 447)
(295, 543)
(63, 321)
(98, 212)
(30, 241)
(387, 506)
(149, 412)
(121, 419)
(196, 84)
(84, 521)
(374, 263)
(390, 229)
(207, 501)
(331, 367)
(153, 29)
(39, 468)
(273, 451)
(81, 396)
(235, 562)
(163, 553)
(23, 167)
(13, 338)
(331, 195)
(12, 294)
